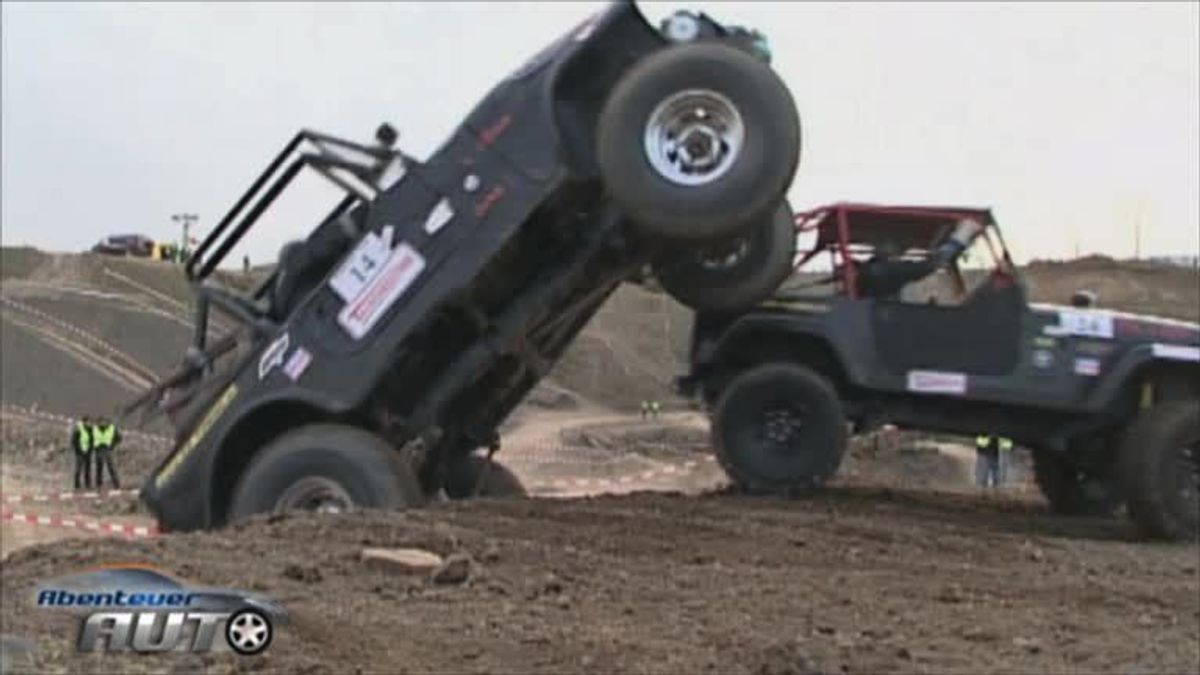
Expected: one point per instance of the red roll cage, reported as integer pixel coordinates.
(850, 231)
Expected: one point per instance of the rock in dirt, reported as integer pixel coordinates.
(455, 570)
(1031, 645)
(302, 573)
(405, 560)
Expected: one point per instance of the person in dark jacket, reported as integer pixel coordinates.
(886, 274)
(105, 438)
(81, 443)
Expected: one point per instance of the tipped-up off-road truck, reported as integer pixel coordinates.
(386, 347)
(1108, 402)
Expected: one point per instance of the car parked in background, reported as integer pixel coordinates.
(136, 245)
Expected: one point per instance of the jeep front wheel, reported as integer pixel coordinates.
(325, 468)
(779, 428)
(1159, 461)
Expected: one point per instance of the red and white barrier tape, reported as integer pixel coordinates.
(69, 496)
(70, 522)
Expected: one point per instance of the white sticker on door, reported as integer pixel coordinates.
(1087, 367)
(381, 292)
(439, 216)
(936, 382)
(361, 266)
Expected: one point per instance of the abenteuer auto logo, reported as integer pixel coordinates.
(141, 609)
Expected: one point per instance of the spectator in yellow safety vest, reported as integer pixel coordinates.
(81, 443)
(105, 439)
(654, 409)
(991, 459)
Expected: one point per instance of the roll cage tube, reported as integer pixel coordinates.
(357, 169)
(361, 184)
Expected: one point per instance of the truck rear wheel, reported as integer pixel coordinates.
(1159, 462)
(1071, 490)
(476, 476)
(325, 468)
(698, 140)
(779, 428)
(734, 273)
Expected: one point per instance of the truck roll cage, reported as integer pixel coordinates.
(362, 178)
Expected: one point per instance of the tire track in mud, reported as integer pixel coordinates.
(124, 377)
(215, 321)
(145, 372)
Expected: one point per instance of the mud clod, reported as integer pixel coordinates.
(455, 570)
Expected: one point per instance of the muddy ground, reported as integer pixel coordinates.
(672, 576)
(856, 580)
(630, 558)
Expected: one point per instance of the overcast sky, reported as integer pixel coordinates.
(1073, 121)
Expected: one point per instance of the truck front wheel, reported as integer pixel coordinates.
(1159, 462)
(325, 468)
(779, 428)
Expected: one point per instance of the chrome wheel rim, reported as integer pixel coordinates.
(316, 494)
(694, 136)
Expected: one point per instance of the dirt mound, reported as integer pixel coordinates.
(1127, 285)
(852, 581)
(636, 436)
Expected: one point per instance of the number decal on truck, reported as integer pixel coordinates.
(394, 276)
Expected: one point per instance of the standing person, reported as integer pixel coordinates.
(654, 409)
(246, 265)
(645, 409)
(81, 443)
(990, 467)
(105, 439)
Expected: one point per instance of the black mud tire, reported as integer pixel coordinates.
(463, 479)
(1070, 491)
(809, 457)
(758, 177)
(366, 468)
(758, 263)
(1157, 452)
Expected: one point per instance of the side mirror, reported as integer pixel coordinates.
(1083, 299)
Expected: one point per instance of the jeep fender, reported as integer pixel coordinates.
(182, 490)
(754, 338)
(1178, 362)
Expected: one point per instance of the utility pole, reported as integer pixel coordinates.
(186, 219)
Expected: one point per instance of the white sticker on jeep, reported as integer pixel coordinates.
(1176, 352)
(273, 355)
(1084, 324)
(1086, 366)
(297, 363)
(361, 266)
(935, 382)
(439, 216)
(394, 277)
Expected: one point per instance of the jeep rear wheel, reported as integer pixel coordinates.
(733, 273)
(1072, 490)
(1159, 461)
(325, 468)
(779, 428)
(698, 140)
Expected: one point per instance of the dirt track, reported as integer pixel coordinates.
(857, 580)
